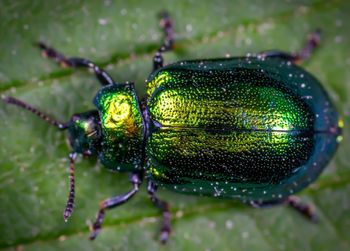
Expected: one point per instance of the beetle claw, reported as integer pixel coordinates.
(66, 215)
(164, 236)
(94, 231)
(94, 234)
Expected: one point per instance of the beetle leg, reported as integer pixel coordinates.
(135, 179)
(167, 26)
(311, 43)
(164, 206)
(102, 76)
(306, 209)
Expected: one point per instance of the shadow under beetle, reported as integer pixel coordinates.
(256, 129)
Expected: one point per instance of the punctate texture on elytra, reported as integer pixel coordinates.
(246, 128)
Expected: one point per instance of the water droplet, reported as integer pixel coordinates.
(62, 238)
(189, 27)
(102, 21)
(229, 224)
(245, 235)
(338, 39)
(338, 22)
(179, 214)
(123, 12)
(212, 224)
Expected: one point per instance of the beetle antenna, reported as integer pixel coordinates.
(48, 119)
(70, 202)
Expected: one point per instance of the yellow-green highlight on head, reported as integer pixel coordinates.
(122, 127)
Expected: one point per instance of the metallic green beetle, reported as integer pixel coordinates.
(257, 129)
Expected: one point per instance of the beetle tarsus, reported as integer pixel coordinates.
(165, 208)
(96, 227)
(169, 41)
(164, 236)
(168, 27)
(311, 44)
(305, 209)
(135, 179)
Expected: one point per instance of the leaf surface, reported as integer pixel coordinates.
(123, 37)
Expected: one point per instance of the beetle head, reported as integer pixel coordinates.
(85, 133)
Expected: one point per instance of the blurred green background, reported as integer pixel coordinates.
(122, 37)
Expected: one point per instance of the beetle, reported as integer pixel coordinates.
(257, 129)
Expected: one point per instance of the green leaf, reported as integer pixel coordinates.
(123, 37)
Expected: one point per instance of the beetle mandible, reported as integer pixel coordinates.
(256, 129)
